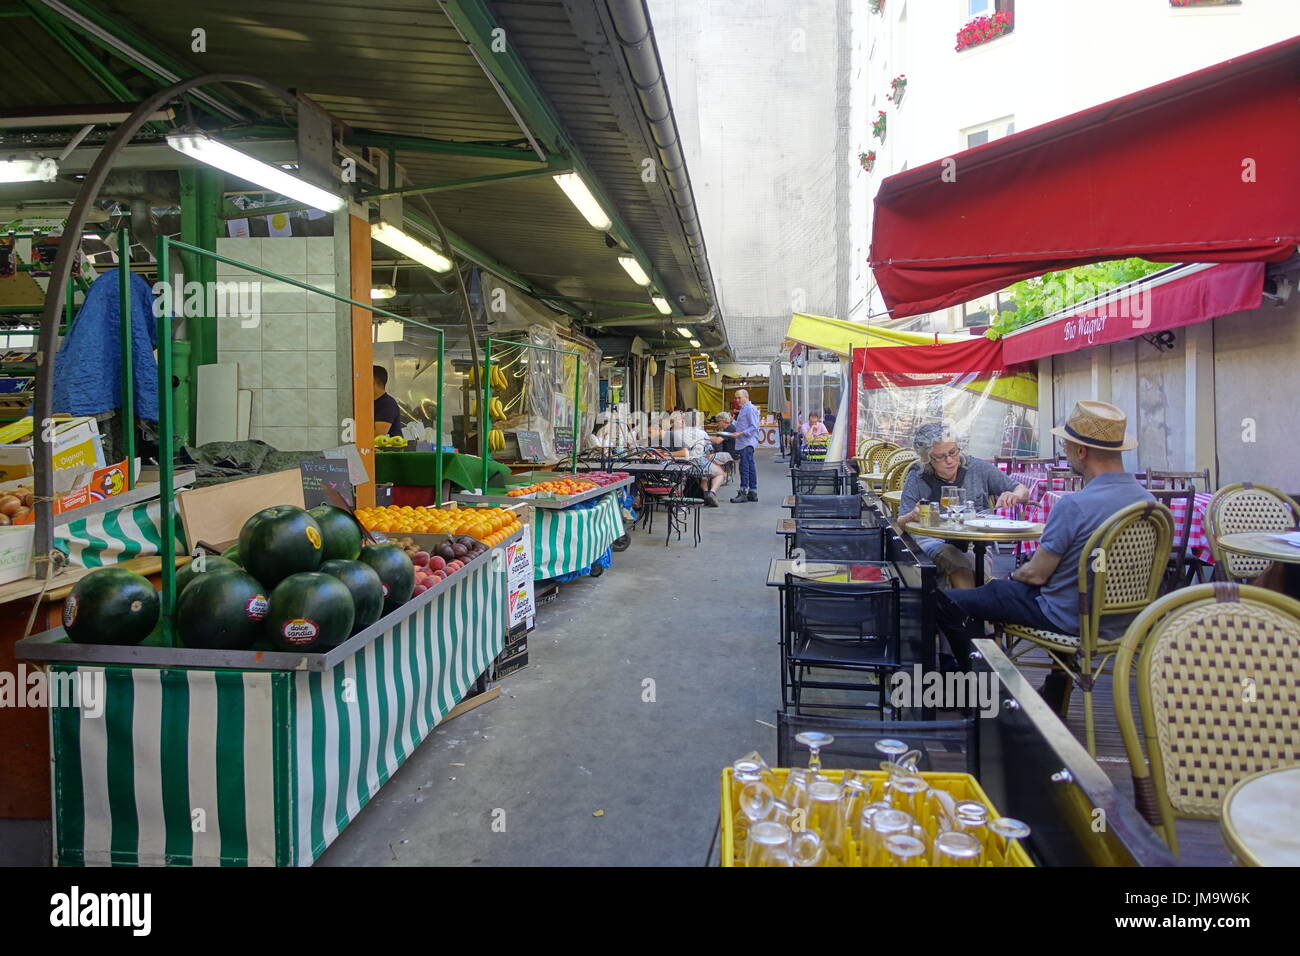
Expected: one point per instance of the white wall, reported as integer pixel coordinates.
(1061, 57)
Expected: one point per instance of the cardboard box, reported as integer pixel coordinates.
(88, 488)
(78, 449)
(504, 666)
(17, 544)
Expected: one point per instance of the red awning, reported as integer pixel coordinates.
(1203, 168)
(927, 364)
(1186, 300)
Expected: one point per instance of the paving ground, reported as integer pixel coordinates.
(571, 735)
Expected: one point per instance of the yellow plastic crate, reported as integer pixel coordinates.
(962, 786)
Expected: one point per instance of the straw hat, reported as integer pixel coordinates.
(1097, 425)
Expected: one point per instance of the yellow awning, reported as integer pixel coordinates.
(840, 337)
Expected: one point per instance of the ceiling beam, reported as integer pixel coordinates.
(420, 144)
(469, 183)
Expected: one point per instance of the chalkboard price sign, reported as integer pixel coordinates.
(699, 367)
(321, 473)
(563, 440)
(530, 445)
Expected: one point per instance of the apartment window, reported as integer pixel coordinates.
(987, 132)
(985, 8)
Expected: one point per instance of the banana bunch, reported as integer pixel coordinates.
(499, 380)
(496, 440)
(390, 441)
(496, 409)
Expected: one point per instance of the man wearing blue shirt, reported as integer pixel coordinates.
(1044, 592)
(745, 431)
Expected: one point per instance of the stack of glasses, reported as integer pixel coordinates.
(898, 817)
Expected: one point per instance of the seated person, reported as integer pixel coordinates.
(724, 444)
(697, 445)
(942, 463)
(1044, 592)
(814, 427)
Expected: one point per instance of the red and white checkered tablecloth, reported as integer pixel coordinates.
(1197, 541)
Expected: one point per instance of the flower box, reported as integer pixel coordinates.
(878, 127)
(867, 159)
(983, 29)
(897, 86)
(877, 6)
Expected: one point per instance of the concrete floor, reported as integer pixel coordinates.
(570, 736)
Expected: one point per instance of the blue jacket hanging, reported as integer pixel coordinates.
(88, 366)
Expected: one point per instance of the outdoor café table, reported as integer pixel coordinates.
(980, 539)
(1198, 542)
(892, 500)
(1259, 544)
(1258, 818)
(873, 479)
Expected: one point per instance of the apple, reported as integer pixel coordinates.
(419, 589)
(437, 562)
(421, 559)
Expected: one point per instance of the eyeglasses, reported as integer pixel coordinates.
(955, 453)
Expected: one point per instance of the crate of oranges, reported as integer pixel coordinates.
(489, 524)
(561, 488)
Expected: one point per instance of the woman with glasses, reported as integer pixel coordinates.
(942, 464)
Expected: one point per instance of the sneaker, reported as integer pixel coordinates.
(741, 495)
(710, 500)
(753, 496)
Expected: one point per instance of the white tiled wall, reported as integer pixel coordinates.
(288, 360)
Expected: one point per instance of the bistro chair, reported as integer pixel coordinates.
(876, 457)
(819, 481)
(839, 544)
(1121, 570)
(682, 509)
(1241, 508)
(1182, 566)
(1218, 687)
(828, 506)
(865, 446)
(839, 627)
(657, 489)
(896, 477)
(1176, 479)
(1066, 476)
(946, 746)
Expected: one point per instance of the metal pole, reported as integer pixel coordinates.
(128, 376)
(166, 516)
(577, 399)
(437, 423)
(484, 419)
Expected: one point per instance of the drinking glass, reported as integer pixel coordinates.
(807, 849)
(795, 793)
(949, 497)
(972, 818)
(754, 759)
(953, 848)
(909, 794)
(826, 820)
(767, 842)
(903, 850)
(814, 740)
(858, 789)
(1008, 831)
(884, 824)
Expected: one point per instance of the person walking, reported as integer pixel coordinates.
(745, 431)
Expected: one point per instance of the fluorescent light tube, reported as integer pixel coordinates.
(695, 343)
(199, 145)
(633, 268)
(684, 333)
(28, 170)
(581, 197)
(408, 246)
(661, 304)
(383, 292)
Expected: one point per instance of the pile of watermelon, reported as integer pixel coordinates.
(295, 581)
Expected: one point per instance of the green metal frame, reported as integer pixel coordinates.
(471, 182)
(485, 397)
(166, 468)
(128, 372)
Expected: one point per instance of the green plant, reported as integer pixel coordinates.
(878, 125)
(1041, 296)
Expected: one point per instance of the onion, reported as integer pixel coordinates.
(4, 520)
(10, 504)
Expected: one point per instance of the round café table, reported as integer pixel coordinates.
(1258, 818)
(892, 499)
(1260, 544)
(980, 539)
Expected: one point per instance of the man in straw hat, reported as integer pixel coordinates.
(1044, 591)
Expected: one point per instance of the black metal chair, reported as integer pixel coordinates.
(655, 489)
(847, 628)
(819, 481)
(839, 544)
(827, 506)
(682, 506)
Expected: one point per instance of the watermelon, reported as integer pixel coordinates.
(221, 610)
(367, 590)
(396, 573)
(341, 533)
(211, 562)
(111, 606)
(280, 541)
(231, 554)
(309, 612)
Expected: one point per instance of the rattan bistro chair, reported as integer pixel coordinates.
(1240, 508)
(866, 445)
(876, 457)
(1218, 686)
(1121, 571)
(896, 477)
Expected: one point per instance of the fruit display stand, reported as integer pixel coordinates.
(412, 474)
(274, 753)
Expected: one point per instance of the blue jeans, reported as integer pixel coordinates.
(748, 474)
(1005, 601)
